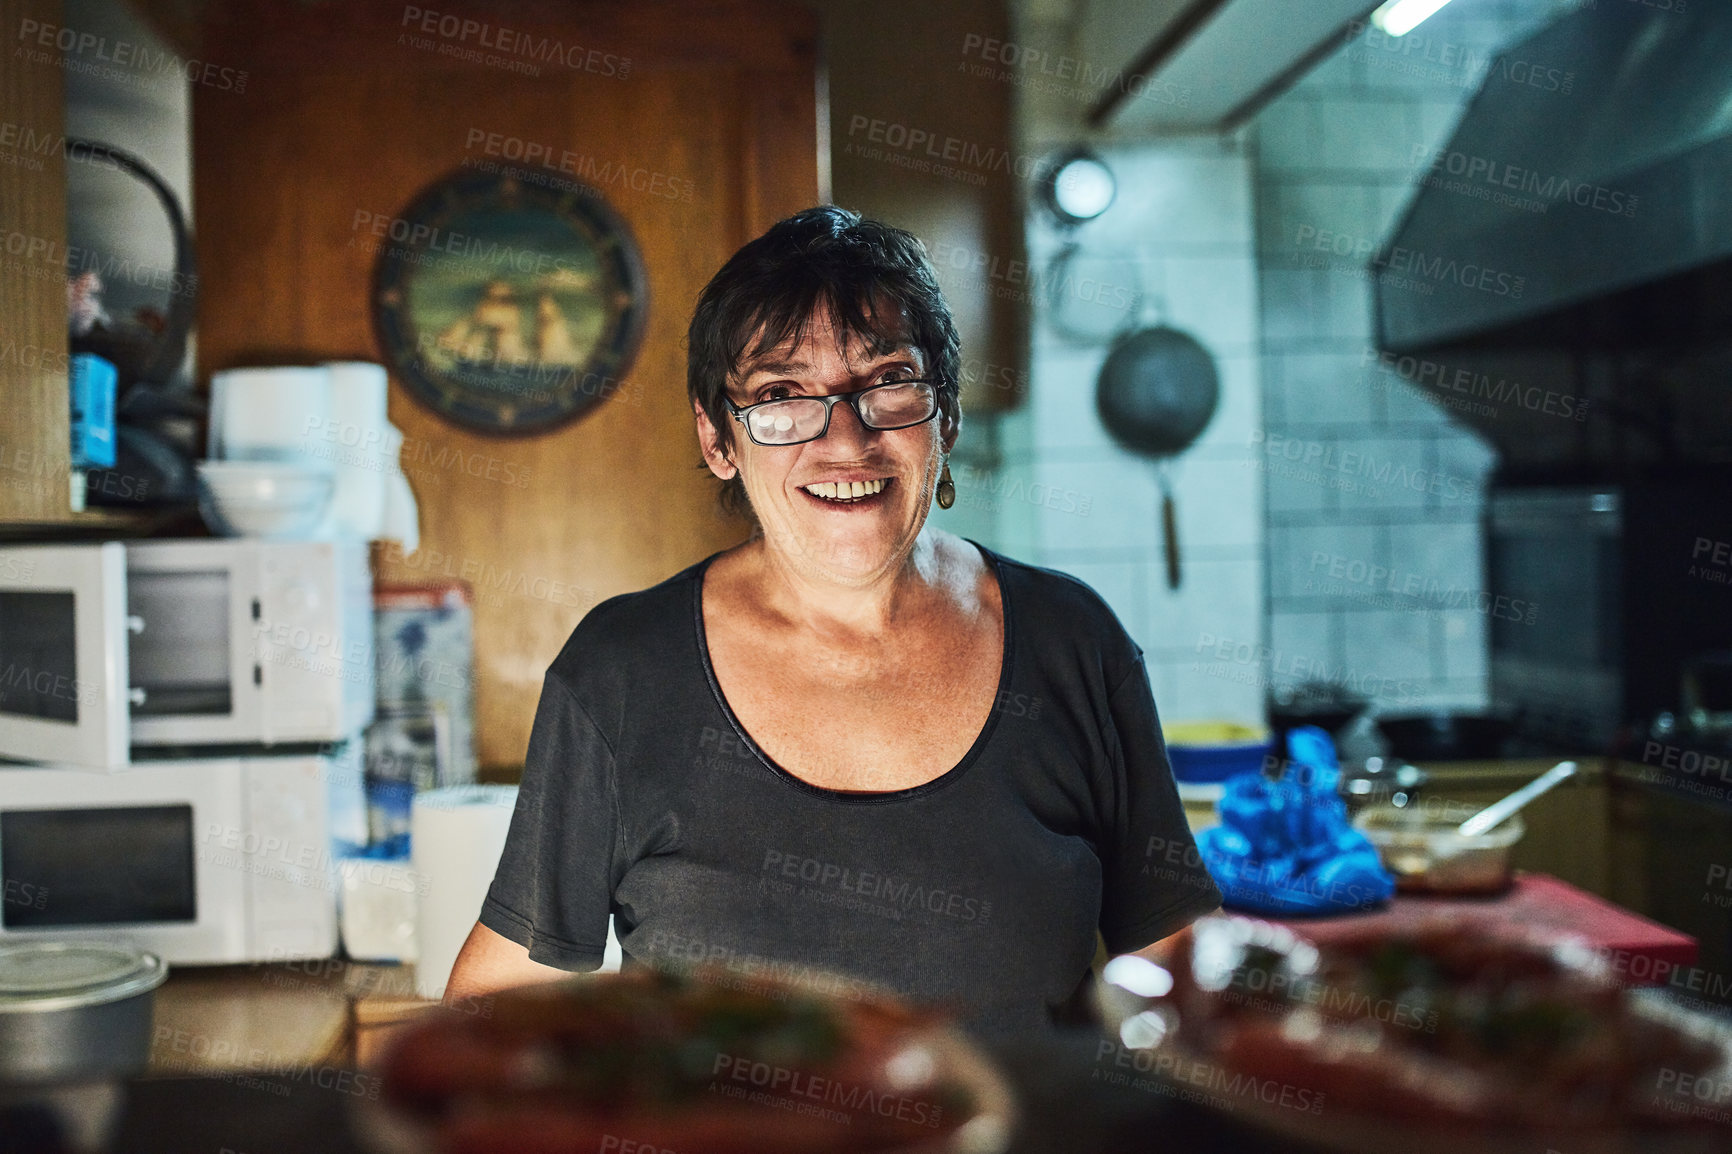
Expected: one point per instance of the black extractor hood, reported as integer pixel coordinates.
(1562, 279)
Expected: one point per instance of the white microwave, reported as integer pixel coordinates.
(215, 860)
(210, 642)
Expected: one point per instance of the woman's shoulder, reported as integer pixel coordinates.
(1056, 607)
(1053, 590)
(628, 634)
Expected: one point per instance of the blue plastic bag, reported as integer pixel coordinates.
(1285, 847)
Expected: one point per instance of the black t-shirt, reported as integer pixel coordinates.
(983, 889)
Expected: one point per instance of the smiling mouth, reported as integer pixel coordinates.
(847, 493)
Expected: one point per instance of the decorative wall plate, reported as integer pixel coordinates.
(510, 302)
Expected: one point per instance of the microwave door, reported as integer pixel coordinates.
(64, 639)
(155, 856)
(194, 659)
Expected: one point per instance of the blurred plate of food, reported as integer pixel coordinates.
(690, 1061)
(1447, 1038)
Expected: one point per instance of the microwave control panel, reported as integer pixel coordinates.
(293, 871)
(314, 653)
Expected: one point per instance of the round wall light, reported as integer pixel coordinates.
(1078, 186)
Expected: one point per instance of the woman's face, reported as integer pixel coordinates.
(853, 541)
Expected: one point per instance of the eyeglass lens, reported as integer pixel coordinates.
(802, 418)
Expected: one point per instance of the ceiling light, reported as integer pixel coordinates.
(1079, 187)
(1399, 17)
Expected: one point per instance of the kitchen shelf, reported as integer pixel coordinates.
(106, 522)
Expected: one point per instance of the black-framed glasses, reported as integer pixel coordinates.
(796, 420)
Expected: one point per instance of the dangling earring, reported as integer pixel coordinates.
(946, 488)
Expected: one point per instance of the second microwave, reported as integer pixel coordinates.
(207, 642)
(202, 860)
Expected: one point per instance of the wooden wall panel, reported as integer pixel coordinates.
(340, 120)
(921, 79)
(35, 421)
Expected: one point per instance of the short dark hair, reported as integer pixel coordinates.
(824, 257)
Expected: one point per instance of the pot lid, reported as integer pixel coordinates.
(46, 975)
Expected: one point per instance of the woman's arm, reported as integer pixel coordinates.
(1154, 881)
(490, 961)
(1163, 951)
(564, 826)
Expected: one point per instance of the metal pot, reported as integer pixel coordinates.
(1446, 736)
(138, 352)
(1380, 782)
(75, 1011)
(1321, 703)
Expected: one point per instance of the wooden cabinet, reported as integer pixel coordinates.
(36, 478)
(1671, 852)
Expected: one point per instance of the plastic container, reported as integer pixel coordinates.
(1420, 845)
(1213, 751)
(75, 1011)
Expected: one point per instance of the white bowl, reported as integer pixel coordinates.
(278, 500)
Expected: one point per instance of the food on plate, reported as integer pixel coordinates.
(657, 1060)
(1447, 1024)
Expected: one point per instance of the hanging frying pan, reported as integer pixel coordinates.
(140, 353)
(1156, 392)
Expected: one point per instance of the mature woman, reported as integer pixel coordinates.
(854, 745)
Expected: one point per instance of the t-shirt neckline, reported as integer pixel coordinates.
(948, 777)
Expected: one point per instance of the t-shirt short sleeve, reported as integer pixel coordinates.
(553, 890)
(1153, 880)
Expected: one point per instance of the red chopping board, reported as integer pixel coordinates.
(1642, 952)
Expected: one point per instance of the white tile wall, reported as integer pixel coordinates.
(1179, 195)
(1308, 210)
(1240, 407)
(1366, 133)
(1442, 559)
(1218, 502)
(1342, 309)
(1211, 599)
(1465, 459)
(1184, 213)
(1389, 652)
(1063, 398)
(1214, 298)
(1323, 387)
(1380, 473)
(1290, 304)
(1290, 490)
(1210, 228)
(1464, 649)
(1123, 507)
(1298, 642)
(1338, 152)
(1301, 559)
(1288, 135)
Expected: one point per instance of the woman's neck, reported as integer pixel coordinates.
(907, 589)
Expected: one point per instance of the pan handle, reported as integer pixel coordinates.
(1170, 533)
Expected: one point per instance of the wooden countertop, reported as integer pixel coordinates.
(1516, 770)
(281, 1018)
